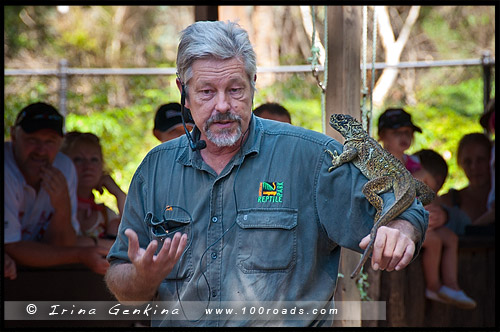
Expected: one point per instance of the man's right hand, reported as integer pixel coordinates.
(139, 280)
(155, 267)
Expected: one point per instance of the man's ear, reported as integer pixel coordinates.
(182, 90)
(13, 133)
(179, 84)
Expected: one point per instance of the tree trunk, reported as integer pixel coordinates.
(393, 49)
(305, 11)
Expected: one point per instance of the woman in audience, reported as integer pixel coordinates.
(98, 222)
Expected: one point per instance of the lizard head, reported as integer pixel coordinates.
(346, 125)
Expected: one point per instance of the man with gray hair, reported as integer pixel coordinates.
(250, 220)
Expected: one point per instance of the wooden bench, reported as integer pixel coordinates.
(60, 283)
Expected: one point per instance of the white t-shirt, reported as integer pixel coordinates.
(26, 213)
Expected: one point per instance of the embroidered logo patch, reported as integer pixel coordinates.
(270, 192)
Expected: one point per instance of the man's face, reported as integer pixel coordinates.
(220, 99)
(32, 151)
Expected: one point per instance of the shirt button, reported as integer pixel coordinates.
(214, 219)
(214, 293)
(214, 255)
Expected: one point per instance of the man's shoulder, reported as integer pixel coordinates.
(13, 177)
(299, 134)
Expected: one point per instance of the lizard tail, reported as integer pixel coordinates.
(364, 258)
(384, 219)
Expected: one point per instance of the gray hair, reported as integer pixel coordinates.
(214, 39)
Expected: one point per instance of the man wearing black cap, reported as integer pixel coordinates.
(40, 223)
(168, 122)
(395, 130)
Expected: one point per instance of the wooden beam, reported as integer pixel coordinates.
(206, 13)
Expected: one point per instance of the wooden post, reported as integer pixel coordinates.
(344, 74)
(343, 96)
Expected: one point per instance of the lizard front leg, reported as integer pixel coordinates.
(372, 189)
(346, 156)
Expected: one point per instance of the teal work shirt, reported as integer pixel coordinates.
(268, 229)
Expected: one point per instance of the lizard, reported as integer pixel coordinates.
(384, 172)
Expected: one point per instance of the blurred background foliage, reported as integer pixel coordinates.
(445, 102)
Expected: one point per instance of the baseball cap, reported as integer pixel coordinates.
(167, 116)
(39, 116)
(394, 118)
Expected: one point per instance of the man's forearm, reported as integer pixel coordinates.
(61, 231)
(125, 284)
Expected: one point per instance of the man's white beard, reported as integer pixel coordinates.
(225, 137)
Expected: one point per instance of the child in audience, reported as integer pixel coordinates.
(440, 248)
(396, 131)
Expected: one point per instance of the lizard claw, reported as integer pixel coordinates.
(332, 154)
(335, 158)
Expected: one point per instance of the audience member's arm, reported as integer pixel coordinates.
(110, 184)
(486, 218)
(36, 254)
(60, 230)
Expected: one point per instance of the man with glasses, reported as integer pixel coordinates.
(40, 224)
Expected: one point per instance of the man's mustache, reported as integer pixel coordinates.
(219, 117)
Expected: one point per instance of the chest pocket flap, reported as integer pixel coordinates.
(267, 240)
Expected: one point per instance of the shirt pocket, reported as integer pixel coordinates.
(267, 240)
(183, 269)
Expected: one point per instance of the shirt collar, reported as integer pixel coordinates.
(251, 145)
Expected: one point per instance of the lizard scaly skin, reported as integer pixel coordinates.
(384, 172)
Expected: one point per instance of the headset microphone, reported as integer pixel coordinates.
(200, 145)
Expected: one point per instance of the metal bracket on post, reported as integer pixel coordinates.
(63, 85)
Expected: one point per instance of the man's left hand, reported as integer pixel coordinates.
(394, 246)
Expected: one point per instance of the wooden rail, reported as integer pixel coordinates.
(404, 291)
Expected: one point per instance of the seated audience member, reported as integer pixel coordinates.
(473, 156)
(396, 132)
(168, 122)
(273, 111)
(440, 248)
(488, 123)
(98, 222)
(40, 223)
